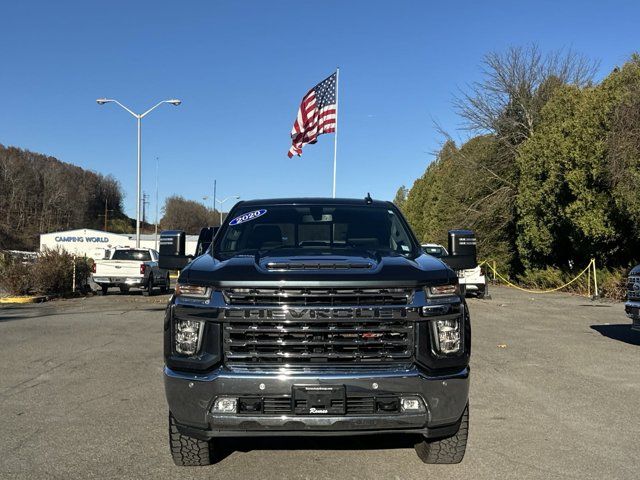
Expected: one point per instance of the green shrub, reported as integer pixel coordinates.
(613, 283)
(542, 279)
(53, 272)
(16, 276)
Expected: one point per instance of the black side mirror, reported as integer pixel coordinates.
(172, 250)
(462, 250)
(205, 239)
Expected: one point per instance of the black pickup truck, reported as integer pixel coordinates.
(632, 305)
(315, 317)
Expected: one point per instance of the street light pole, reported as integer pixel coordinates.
(139, 117)
(214, 199)
(139, 188)
(156, 232)
(222, 201)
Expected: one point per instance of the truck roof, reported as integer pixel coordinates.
(312, 201)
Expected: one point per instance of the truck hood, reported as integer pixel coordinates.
(280, 269)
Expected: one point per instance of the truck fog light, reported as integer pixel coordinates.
(447, 336)
(411, 404)
(188, 335)
(225, 405)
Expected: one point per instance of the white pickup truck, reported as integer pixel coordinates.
(473, 279)
(131, 267)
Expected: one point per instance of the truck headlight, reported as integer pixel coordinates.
(192, 291)
(446, 335)
(443, 290)
(188, 336)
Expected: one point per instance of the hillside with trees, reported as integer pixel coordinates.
(188, 215)
(549, 178)
(39, 193)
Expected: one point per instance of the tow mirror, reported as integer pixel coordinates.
(205, 239)
(462, 250)
(172, 250)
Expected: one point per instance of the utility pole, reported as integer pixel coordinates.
(145, 202)
(106, 214)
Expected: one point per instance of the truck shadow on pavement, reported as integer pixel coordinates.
(224, 447)
(620, 332)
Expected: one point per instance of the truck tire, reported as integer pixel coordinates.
(149, 288)
(446, 450)
(103, 289)
(165, 287)
(188, 451)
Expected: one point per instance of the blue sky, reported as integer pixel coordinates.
(241, 69)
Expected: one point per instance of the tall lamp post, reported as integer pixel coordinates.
(237, 197)
(139, 117)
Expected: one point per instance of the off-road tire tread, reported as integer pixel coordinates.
(446, 450)
(148, 290)
(165, 287)
(188, 451)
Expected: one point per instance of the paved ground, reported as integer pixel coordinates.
(555, 389)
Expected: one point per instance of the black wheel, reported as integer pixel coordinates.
(124, 289)
(188, 451)
(446, 450)
(103, 289)
(165, 287)
(149, 290)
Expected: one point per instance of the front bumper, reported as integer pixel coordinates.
(632, 309)
(191, 396)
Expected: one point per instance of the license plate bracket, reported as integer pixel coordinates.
(319, 399)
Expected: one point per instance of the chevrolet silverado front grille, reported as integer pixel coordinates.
(325, 343)
(318, 296)
(633, 288)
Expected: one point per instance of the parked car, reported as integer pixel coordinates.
(131, 267)
(472, 280)
(632, 305)
(315, 317)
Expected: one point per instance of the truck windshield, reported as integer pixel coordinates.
(306, 229)
(138, 255)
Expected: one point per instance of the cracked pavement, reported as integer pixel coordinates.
(554, 394)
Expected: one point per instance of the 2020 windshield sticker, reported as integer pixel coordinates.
(247, 217)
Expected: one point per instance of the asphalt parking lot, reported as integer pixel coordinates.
(555, 389)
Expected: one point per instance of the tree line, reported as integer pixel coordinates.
(549, 175)
(188, 215)
(39, 193)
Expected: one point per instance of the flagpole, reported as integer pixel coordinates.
(335, 136)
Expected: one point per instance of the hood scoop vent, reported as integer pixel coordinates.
(314, 265)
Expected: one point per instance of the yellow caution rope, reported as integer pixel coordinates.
(497, 274)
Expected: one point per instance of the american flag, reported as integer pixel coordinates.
(317, 114)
